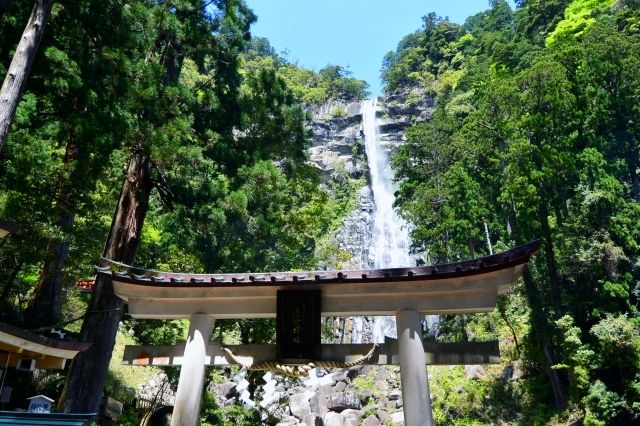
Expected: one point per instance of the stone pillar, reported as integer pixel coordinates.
(186, 411)
(413, 370)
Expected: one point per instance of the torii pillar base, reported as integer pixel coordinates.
(413, 372)
(186, 411)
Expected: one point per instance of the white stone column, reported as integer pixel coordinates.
(186, 411)
(413, 370)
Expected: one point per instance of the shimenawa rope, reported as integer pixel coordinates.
(297, 370)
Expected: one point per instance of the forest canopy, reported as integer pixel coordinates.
(536, 134)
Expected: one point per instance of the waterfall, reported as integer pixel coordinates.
(390, 239)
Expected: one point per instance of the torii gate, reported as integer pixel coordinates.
(299, 298)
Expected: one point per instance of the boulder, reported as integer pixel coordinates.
(371, 421)
(114, 409)
(340, 386)
(350, 417)
(312, 419)
(474, 371)
(226, 390)
(299, 404)
(341, 401)
(318, 403)
(382, 415)
(397, 418)
(289, 421)
(395, 394)
(332, 419)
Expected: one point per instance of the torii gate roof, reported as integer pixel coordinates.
(461, 287)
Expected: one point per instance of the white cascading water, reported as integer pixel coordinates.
(390, 240)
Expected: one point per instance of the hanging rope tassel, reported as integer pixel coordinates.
(296, 370)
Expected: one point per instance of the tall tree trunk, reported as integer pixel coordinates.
(46, 305)
(541, 326)
(552, 269)
(87, 375)
(540, 329)
(16, 78)
(8, 276)
(632, 160)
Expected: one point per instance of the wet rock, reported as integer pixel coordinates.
(403, 109)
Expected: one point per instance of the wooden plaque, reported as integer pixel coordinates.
(298, 324)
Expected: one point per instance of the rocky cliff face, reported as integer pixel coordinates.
(403, 109)
(338, 150)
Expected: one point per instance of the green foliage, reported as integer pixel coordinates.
(160, 332)
(531, 137)
(422, 58)
(578, 17)
(618, 341)
(580, 357)
(122, 376)
(603, 405)
(458, 401)
(338, 112)
(129, 418)
(220, 115)
(332, 82)
(364, 384)
(227, 415)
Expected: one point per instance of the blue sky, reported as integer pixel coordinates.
(353, 33)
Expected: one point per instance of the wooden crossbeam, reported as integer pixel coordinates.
(386, 354)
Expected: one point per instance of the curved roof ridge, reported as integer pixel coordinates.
(522, 251)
